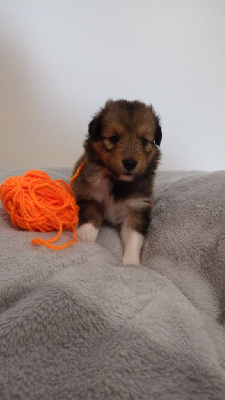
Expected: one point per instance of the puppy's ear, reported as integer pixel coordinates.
(158, 133)
(95, 126)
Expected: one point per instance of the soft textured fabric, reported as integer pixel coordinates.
(76, 324)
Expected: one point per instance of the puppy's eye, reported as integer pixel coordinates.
(144, 141)
(114, 139)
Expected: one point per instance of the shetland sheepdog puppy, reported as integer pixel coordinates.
(116, 182)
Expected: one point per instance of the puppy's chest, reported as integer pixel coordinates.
(117, 208)
(102, 192)
(116, 211)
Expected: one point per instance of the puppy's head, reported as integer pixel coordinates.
(124, 137)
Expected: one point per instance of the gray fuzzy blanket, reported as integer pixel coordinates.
(75, 324)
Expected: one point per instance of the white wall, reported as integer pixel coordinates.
(61, 59)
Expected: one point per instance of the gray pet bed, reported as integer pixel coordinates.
(75, 324)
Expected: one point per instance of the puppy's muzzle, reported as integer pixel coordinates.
(129, 164)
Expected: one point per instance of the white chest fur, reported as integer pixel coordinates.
(100, 188)
(115, 211)
(118, 211)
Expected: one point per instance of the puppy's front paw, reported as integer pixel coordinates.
(130, 259)
(87, 232)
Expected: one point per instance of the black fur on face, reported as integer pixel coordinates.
(95, 126)
(158, 133)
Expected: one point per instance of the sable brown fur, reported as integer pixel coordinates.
(121, 154)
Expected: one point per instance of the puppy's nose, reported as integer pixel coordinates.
(129, 164)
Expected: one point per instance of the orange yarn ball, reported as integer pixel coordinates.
(35, 202)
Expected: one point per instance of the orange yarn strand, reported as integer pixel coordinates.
(76, 174)
(35, 202)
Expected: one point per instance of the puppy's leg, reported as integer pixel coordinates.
(132, 242)
(90, 219)
(133, 230)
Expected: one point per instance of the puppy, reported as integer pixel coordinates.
(116, 182)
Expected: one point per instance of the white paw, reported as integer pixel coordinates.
(87, 232)
(130, 259)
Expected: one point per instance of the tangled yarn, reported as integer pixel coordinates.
(35, 202)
